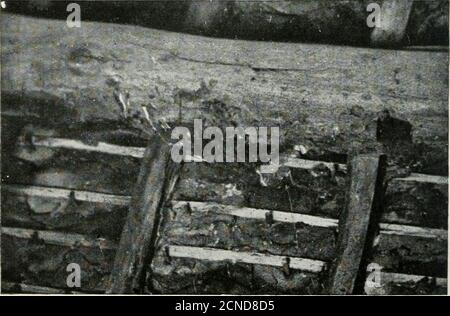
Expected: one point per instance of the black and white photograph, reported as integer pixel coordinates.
(224, 147)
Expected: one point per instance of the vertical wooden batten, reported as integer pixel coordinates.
(357, 221)
(156, 181)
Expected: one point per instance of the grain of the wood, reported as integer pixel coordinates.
(355, 223)
(394, 20)
(212, 254)
(250, 81)
(156, 178)
(58, 238)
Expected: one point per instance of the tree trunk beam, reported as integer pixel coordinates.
(362, 205)
(152, 190)
(250, 81)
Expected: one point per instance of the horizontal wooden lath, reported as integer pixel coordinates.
(413, 231)
(419, 177)
(101, 147)
(245, 212)
(211, 254)
(58, 238)
(254, 213)
(34, 289)
(138, 152)
(58, 193)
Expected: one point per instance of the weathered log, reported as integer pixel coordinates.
(341, 22)
(41, 258)
(361, 210)
(247, 84)
(155, 184)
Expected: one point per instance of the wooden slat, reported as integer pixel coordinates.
(13, 287)
(41, 257)
(245, 212)
(138, 152)
(254, 213)
(210, 254)
(54, 142)
(155, 183)
(58, 193)
(58, 238)
(388, 283)
(361, 205)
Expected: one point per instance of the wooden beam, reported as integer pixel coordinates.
(366, 173)
(159, 69)
(154, 185)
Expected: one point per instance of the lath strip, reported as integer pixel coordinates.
(244, 212)
(212, 254)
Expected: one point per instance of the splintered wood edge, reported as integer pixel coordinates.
(244, 212)
(211, 254)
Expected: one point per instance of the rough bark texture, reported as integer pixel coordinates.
(157, 177)
(247, 84)
(338, 22)
(361, 209)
